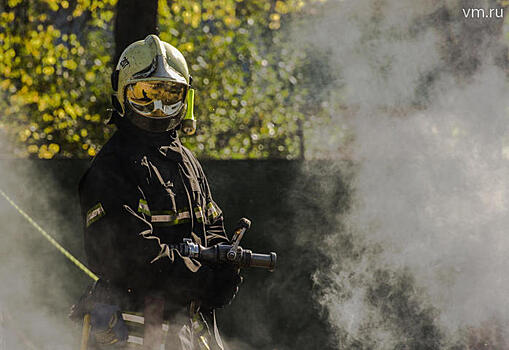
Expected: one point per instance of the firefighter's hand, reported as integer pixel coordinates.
(221, 285)
(108, 326)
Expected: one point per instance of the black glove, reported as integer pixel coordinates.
(220, 285)
(108, 326)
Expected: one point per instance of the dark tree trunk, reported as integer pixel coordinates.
(134, 20)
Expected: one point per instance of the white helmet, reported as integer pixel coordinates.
(153, 86)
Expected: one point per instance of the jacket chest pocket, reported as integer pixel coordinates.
(170, 198)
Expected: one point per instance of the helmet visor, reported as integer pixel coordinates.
(157, 99)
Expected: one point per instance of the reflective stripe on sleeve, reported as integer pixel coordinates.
(170, 218)
(140, 320)
(95, 213)
(198, 212)
(135, 324)
(213, 212)
(137, 343)
(135, 340)
(133, 318)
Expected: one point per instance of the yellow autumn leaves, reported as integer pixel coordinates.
(46, 75)
(55, 89)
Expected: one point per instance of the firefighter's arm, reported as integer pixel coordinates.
(215, 231)
(214, 221)
(212, 214)
(115, 231)
(224, 280)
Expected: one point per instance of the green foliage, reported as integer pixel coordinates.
(54, 81)
(55, 65)
(245, 103)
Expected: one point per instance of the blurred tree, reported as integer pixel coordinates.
(244, 74)
(143, 14)
(56, 58)
(53, 64)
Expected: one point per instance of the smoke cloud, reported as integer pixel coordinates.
(422, 91)
(38, 283)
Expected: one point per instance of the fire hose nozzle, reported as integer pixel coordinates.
(230, 254)
(266, 261)
(218, 254)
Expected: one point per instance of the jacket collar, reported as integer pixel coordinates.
(165, 143)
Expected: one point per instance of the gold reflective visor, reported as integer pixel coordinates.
(156, 98)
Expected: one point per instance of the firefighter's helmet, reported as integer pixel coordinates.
(153, 87)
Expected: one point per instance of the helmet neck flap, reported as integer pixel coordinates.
(136, 134)
(152, 124)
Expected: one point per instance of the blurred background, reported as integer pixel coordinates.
(367, 140)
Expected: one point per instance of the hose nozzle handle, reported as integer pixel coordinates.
(243, 225)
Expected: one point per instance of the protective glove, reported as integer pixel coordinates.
(220, 285)
(108, 326)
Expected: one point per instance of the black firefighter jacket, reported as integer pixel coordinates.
(143, 193)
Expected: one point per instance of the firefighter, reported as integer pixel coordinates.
(143, 193)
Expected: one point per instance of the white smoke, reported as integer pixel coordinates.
(37, 284)
(433, 181)
(435, 186)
